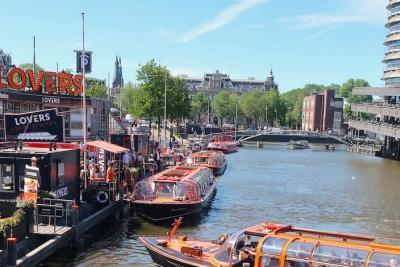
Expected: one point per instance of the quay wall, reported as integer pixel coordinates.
(286, 138)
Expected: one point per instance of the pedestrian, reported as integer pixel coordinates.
(110, 173)
(157, 159)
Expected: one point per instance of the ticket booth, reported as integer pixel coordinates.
(59, 170)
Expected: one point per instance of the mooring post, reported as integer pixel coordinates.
(11, 251)
(75, 221)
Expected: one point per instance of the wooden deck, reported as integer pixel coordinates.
(49, 230)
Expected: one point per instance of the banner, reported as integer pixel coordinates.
(87, 61)
(43, 125)
(31, 181)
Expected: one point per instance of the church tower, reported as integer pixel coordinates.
(118, 80)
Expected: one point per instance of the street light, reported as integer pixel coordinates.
(266, 115)
(236, 114)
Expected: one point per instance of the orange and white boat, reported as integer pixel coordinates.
(215, 160)
(178, 191)
(273, 245)
(223, 143)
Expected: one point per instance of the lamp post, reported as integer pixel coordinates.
(236, 115)
(266, 116)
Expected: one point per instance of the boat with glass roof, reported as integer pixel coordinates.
(215, 160)
(177, 191)
(273, 245)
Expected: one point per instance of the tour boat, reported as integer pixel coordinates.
(330, 147)
(177, 191)
(224, 144)
(273, 245)
(36, 136)
(215, 160)
(301, 144)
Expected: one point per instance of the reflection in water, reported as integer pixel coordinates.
(327, 190)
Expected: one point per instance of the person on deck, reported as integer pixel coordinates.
(110, 173)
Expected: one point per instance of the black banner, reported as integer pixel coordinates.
(87, 61)
(43, 125)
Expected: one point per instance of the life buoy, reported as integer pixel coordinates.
(102, 197)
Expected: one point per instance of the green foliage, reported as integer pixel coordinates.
(129, 98)
(27, 66)
(198, 104)
(253, 105)
(97, 90)
(14, 220)
(276, 107)
(224, 104)
(178, 101)
(346, 91)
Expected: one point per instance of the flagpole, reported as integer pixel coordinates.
(84, 123)
(34, 55)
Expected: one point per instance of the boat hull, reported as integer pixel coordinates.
(297, 146)
(220, 170)
(161, 212)
(167, 257)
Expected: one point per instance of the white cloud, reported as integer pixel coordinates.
(348, 11)
(223, 17)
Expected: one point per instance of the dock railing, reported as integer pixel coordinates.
(53, 214)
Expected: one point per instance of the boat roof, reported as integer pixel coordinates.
(313, 236)
(177, 173)
(207, 154)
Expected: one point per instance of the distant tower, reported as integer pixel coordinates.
(391, 73)
(118, 80)
(5, 62)
(270, 82)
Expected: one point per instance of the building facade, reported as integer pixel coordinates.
(118, 80)
(213, 83)
(384, 120)
(323, 112)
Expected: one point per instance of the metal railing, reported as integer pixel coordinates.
(56, 212)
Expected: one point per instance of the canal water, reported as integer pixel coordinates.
(314, 188)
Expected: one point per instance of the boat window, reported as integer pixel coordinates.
(272, 246)
(298, 254)
(384, 260)
(7, 177)
(164, 189)
(327, 255)
(185, 191)
(228, 247)
(143, 190)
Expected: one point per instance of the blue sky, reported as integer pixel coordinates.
(305, 41)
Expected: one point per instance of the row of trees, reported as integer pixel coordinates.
(281, 109)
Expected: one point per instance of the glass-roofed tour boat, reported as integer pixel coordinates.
(273, 245)
(215, 160)
(178, 191)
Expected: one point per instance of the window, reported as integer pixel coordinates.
(384, 260)
(298, 254)
(7, 177)
(272, 246)
(330, 255)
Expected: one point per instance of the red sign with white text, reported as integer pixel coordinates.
(18, 79)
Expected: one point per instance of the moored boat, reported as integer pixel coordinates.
(273, 245)
(178, 191)
(215, 160)
(301, 144)
(224, 144)
(330, 147)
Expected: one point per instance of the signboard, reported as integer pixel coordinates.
(31, 183)
(101, 159)
(43, 82)
(87, 61)
(43, 125)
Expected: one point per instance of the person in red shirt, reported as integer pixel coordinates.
(110, 173)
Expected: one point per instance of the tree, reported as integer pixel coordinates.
(276, 107)
(224, 105)
(253, 105)
(346, 91)
(198, 104)
(178, 102)
(97, 90)
(29, 66)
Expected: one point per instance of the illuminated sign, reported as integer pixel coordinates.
(54, 83)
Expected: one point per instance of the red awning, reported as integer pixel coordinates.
(107, 146)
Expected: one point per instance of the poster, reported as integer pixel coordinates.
(31, 181)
